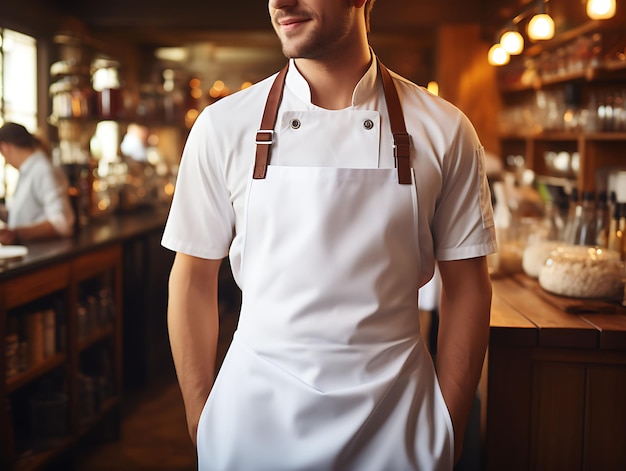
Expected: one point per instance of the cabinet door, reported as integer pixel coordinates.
(605, 418)
(558, 405)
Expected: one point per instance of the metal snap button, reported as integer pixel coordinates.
(295, 123)
(368, 124)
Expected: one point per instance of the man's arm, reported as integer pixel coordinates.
(40, 230)
(463, 336)
(193, 324)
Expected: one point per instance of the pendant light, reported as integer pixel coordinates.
(512, 42)
(497, 55)
(601, 9)
(541, 26)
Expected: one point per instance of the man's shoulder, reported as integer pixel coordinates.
(409, 89)
(243, 101)
(419, 99)
(227, 120)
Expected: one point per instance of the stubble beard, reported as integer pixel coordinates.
(316, 44)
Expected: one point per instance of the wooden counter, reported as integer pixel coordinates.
(556, 397)
(100, 233)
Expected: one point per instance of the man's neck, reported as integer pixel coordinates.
(332, 80)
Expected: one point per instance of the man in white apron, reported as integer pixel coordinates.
(332, 186)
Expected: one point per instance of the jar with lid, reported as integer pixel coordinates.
(584, 272)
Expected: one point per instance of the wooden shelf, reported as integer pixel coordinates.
(566, 136)
(34, 372)
(37, 460)
(67, 281)
(96, 336)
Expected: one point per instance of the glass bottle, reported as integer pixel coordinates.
(553, 222)
(617, 228)
(603, 217)
(586, 221)
(574, 214)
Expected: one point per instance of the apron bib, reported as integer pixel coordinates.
(326, 370)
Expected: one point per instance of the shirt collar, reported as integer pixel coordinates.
(368, 84)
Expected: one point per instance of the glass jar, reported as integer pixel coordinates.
(535, 255)
(584, 272)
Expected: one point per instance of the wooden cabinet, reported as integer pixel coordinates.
(564, 106)
(63, 375)
(556, 381)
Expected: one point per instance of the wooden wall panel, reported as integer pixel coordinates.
(468, 81)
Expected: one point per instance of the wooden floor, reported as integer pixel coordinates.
(153, 435)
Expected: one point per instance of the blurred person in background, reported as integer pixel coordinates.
(40, 207)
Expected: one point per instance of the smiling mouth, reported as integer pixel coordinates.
(288, 23)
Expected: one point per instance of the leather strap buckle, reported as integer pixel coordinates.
(265, 136)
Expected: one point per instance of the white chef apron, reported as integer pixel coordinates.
(327, 370)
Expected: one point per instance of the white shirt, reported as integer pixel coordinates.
(41, 195)
(207, 220)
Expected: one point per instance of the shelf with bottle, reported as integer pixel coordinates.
(95, 310)
(40, 420)
(567, 112)
(48, 350)
(97, 386)
(589, 52)
(582, 163)
(35, 339)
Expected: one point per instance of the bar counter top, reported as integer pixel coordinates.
(523, 314)
(98, 233)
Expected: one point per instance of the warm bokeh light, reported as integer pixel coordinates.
(541, 27)
(190, 117)
(194, 83)
(196, 93)
(512, 42)
(219, 90)
(601, 9)
(246, 85)
(497, 55)
(177, 54)
(433, 87)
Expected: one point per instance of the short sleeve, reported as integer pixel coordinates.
(463, 221)
(201, 218)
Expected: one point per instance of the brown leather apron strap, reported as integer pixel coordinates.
(265, 135)
(401, 139)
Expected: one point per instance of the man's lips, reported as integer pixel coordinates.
(288, 23)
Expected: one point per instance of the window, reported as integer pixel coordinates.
(18, 92)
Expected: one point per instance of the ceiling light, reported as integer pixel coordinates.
(497, 55)
(601, 9)
(541, 27)
(512, 42)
